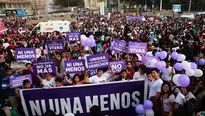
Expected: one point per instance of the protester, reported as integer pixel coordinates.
(123, 76)
(199, 93)
(167, 99)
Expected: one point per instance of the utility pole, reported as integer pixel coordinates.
(46, 7)
(160, 8)
(190, 2)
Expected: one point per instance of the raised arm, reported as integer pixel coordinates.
(66, 78)
(40, 79)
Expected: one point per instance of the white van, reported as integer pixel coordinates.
(51, 26)
(187, 16)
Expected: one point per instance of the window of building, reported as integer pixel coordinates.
(9, 5)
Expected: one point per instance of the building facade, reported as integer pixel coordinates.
(31, 7)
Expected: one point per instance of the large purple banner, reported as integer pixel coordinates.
(117, 66)
(114, 99)
(25, 53)
(74, 66)
(137, 48)
(18, 81)
(55, 45)
(119, 46)
(73, 36)
(44, 67)
(98, 61)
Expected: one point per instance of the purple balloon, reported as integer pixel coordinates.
(148, 104)
(178, 67)
(184, 80)
(91, 37)
(201, 61)
(193, 65)
(163, 64)
(157, 54)
(175, 55)
(83, 43)
(163, 55)
(159, 65)
(140, 109)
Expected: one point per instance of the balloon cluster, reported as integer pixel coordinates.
(190, 68)
(146, 108)
(162, 55)
(87, 42)
(178, 57)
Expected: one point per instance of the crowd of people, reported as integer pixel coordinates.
(161, 34)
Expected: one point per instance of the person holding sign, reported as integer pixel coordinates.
(141, 74)
(77, 80)
(100, 77)
(49, 81)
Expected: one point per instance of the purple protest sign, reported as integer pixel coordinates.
(149, 61)
(25, 53)
(93, 72)
(18, 81)
(44, 67)
(73, 36)
(55, 45)
(119, 46)
(137, 48)
(114, 99)
(117, 66)
(74, 66)
(98, 61)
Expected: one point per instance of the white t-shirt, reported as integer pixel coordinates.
(167, 101)
(6, 45)
(167, 73)
(50, 83)
(137, 75)
(96, 79)
(155, 87)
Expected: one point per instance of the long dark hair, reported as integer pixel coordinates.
(170, 88)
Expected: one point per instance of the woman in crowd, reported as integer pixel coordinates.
(141, 73)
(167, 99)
(130, 70)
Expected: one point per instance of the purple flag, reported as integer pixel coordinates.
(25, 53)
(114, 99)
(73, 36)
(44, 67)
(55, 45)
(98, 61)
(119, 46)
(149, 61)
(18, 81)
(137, 48)
(74, 66)
(117, 66)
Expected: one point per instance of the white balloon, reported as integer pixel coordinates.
(181, 57)
(149, 112)
(198, 73)
(83, 37)
(190, 72)
(186, 65)
(175, 79)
